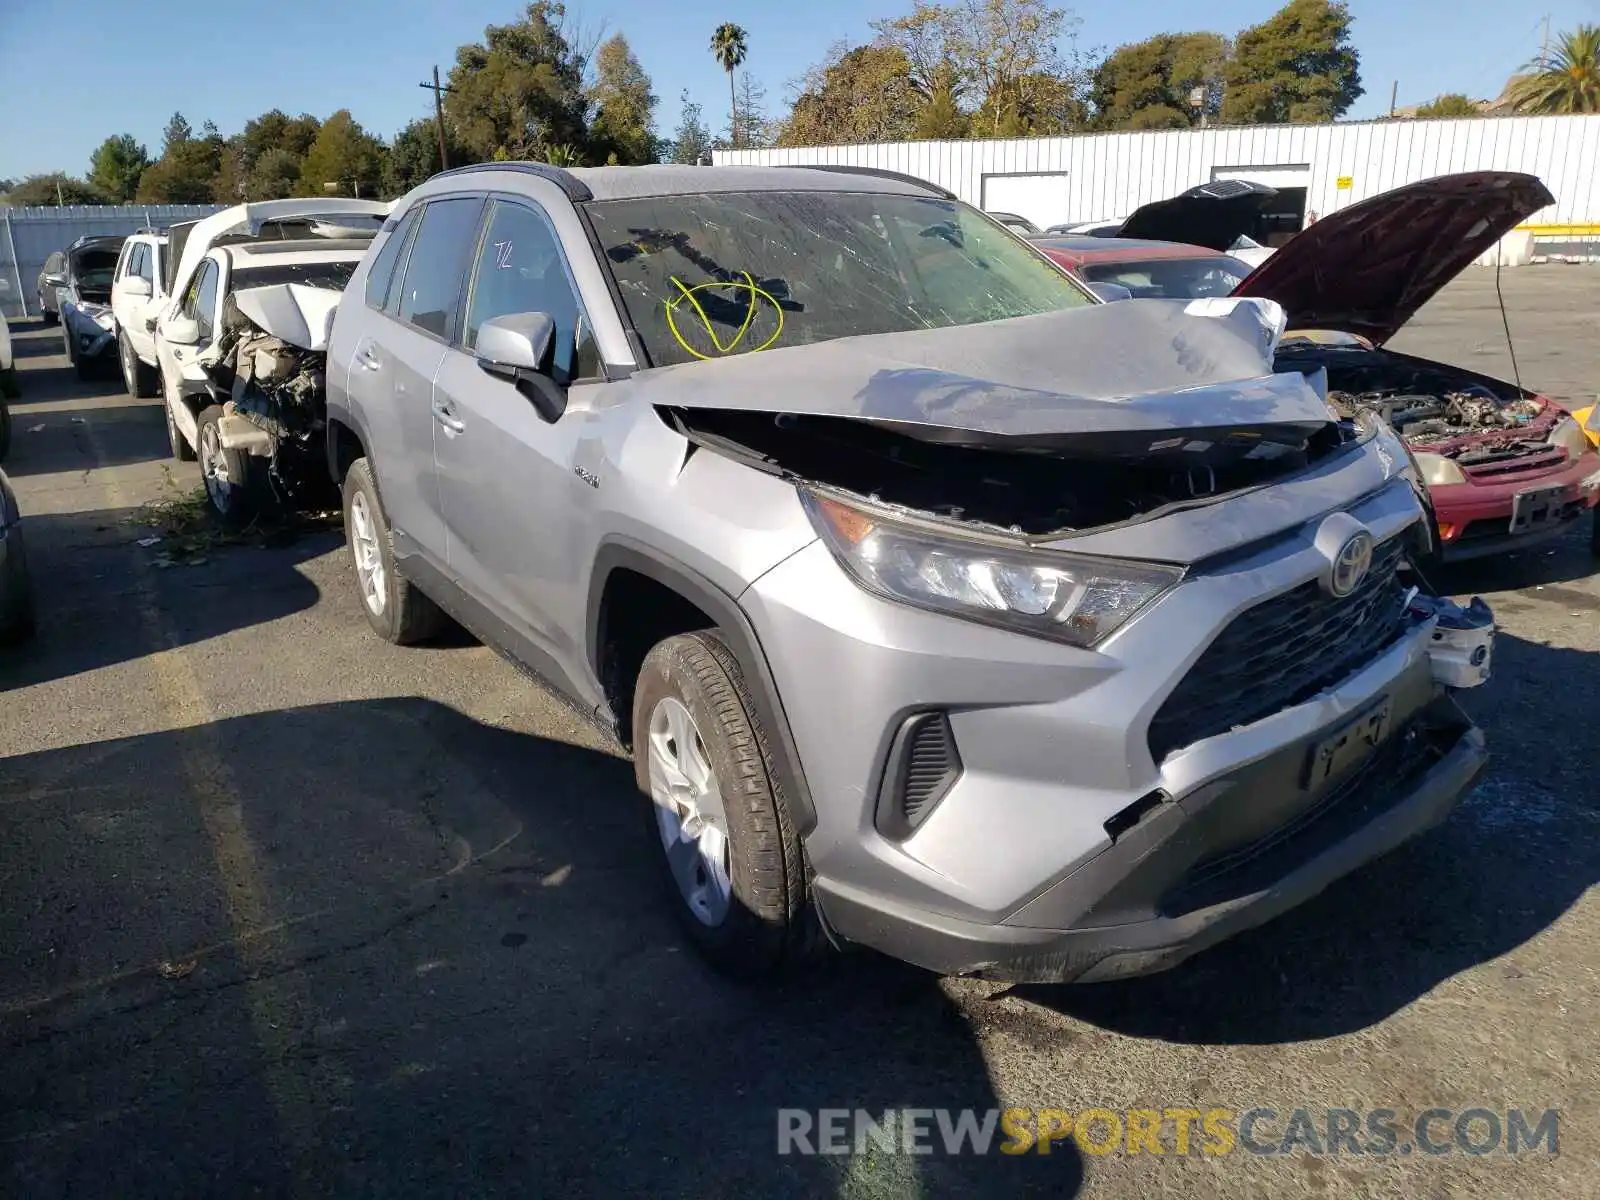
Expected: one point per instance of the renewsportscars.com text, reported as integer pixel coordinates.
(1170, 1131)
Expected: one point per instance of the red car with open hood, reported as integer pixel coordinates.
(1506, 468)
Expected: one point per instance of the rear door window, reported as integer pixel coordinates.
(436, 268)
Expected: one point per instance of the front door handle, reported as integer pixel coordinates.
(442, 414)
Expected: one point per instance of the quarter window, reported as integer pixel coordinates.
(201, 302)
(382, 273)
(430, 296)
(520, 269)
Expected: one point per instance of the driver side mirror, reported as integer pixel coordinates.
(136, 286)
(55, 281)
(181, 331)
(516, 348)
(1111, 291)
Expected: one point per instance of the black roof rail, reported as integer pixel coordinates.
(879, 173)
(563, 179)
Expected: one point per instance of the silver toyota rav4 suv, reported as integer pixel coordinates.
(943, 608)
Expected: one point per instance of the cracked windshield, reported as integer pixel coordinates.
(707, 276)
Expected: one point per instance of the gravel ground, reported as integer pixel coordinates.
(284, 910)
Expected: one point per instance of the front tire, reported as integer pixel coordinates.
(1594, 531)
(45, 315)
(729, 853)
(395, 608)
(235, 482)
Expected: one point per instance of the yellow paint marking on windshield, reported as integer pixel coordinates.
(756, 294)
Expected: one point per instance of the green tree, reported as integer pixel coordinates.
(1003, 61)
(861, 95)
(1451, 104)
(625, 107)
(1564, 80)
(413, 156)
(276, 174)
(691, 141)
(750, 130)
(343, 154)
(116, 166)
(520, 90)
(1159, 75)
(187, 173)
(729, 46)
(177, 132)
(1298, 65)
(53, 189)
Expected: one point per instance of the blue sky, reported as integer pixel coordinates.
(74, 73)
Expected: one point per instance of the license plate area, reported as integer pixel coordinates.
(1350, 745)
(1533, 508)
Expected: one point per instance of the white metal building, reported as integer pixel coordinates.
(1317, 168)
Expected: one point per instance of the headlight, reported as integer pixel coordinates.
(1569, 435)
(106, 320)
(1060, 596)
(1437, 469)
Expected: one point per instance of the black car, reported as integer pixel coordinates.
(16, 598)
(83, 302)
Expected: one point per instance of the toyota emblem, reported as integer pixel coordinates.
(1351, 563)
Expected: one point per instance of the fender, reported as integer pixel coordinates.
(736, 630)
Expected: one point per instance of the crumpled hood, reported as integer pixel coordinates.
(1368, 268)
(1138, 367)
(296, 312)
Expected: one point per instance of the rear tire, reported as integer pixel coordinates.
(236, 483)
(1594, 531)
(700, 758)
(181, 450)
(141, 379)
(17, 623)
(395, 608)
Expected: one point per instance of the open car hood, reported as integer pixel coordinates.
(1124, 380)
(1368, 268)
(1214, 215)
(191, 242)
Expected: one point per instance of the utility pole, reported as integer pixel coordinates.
(1394, 95)
(438, 116)
(60, 203)
(1544, 43)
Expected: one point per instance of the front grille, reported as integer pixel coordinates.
(1282, 652)
(1537, 460)
(923, 766)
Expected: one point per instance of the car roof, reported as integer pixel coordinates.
(671, 179)
(1099, 249)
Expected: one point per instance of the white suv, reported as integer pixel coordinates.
(137, 295)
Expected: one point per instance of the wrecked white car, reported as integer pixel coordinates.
(241, 347)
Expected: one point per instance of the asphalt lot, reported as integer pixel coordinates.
(285, 910)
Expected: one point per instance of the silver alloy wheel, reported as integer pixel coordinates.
(368, 555)
(214, 468)
(689, 812)
(128, 380)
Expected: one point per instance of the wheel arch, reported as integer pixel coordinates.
(618, 566)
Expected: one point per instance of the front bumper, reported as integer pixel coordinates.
(1191, 897)
(1478, 514)
(1064, 836)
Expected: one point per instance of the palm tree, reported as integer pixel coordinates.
(729, 48)
(1567, 80)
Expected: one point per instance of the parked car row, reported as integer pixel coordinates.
(944, 607)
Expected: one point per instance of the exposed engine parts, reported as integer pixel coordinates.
(280, 388)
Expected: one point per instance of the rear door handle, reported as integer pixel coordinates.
(368, 358)
(442, 414)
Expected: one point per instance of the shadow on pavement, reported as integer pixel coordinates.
(84, 564)
(1509, 862)
(381, 948)
(1565, 560)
